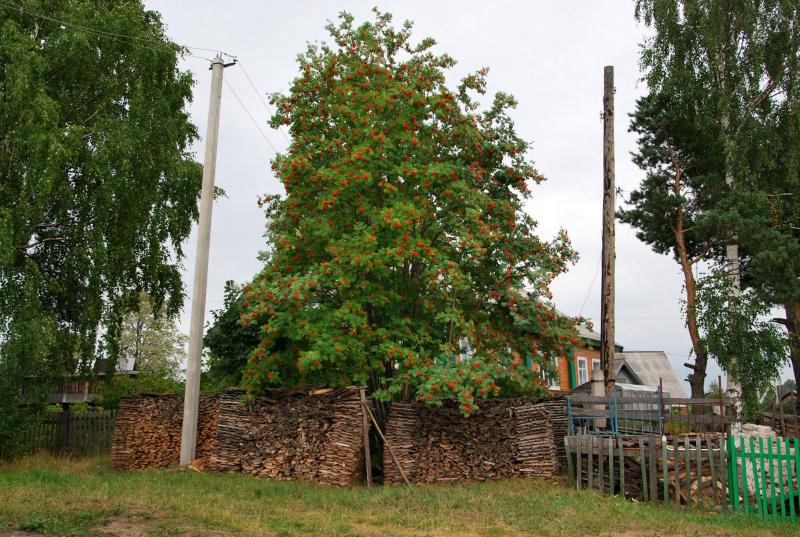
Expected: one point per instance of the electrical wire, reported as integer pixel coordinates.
(591, 285)
(246, 111)
(121, 38)
(269, 108)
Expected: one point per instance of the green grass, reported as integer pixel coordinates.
(85, 497)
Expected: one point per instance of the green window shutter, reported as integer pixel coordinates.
(571, 369)
(529, 362)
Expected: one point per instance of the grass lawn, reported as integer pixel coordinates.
(52, 496)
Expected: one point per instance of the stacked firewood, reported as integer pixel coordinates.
(536, 451)
(343, 454)
(557, 415)
(147, 433)
(291, 434)
(506, 437)
(403, 421)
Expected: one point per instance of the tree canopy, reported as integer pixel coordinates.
(98, 189)
(402, 230)
(727, 73)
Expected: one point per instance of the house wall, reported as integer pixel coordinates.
(563, 368)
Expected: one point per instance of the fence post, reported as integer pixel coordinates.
(665, 470)
(653, 475)
(579, 466)
(66, 419)
(643, 464)
(570, 468)
(621, 466)
(677, 464)
(721, 405)
(688, 473)
(591, 461)
(611, 466)
(789, 476)
(699, 459)
(772, 480)
(601, 477)
(724, 493)
(660, 406)
(781, 495)
(714, 494)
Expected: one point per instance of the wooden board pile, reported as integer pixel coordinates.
(507, 437)
(289, 434)
(148, 431)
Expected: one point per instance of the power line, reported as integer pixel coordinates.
(645, 318)
(260, 98)
(589, 290)
(127, 39)
(246, 111)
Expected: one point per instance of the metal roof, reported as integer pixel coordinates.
(652, 365)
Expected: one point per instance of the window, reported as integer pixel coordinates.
(554, 379)
(596, 366)
(583, 370)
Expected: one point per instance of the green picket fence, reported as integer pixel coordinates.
(763, 476)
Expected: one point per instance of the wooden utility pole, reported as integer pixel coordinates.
(191, 400)
(607, 347)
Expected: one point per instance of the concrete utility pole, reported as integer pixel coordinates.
(191, 400)
(607, 347)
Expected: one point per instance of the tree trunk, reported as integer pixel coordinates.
(697, 378)
(793, 327)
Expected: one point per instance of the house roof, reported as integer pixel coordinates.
(630, 372)
(650, 366)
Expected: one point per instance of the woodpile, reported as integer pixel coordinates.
(535, 447)
(147, 433)
(507, 437)
(289, 434)
(559, 422)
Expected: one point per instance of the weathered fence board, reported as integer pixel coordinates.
(680, 471)
(70, 434)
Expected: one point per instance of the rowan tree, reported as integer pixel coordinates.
(402, 230)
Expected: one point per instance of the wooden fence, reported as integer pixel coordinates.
(69, 434)
(785, 423)
(681, 470)
(644, 415)
(770, 488)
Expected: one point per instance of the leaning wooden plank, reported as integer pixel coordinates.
(386, 444)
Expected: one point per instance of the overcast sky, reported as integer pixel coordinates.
(549, 54)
